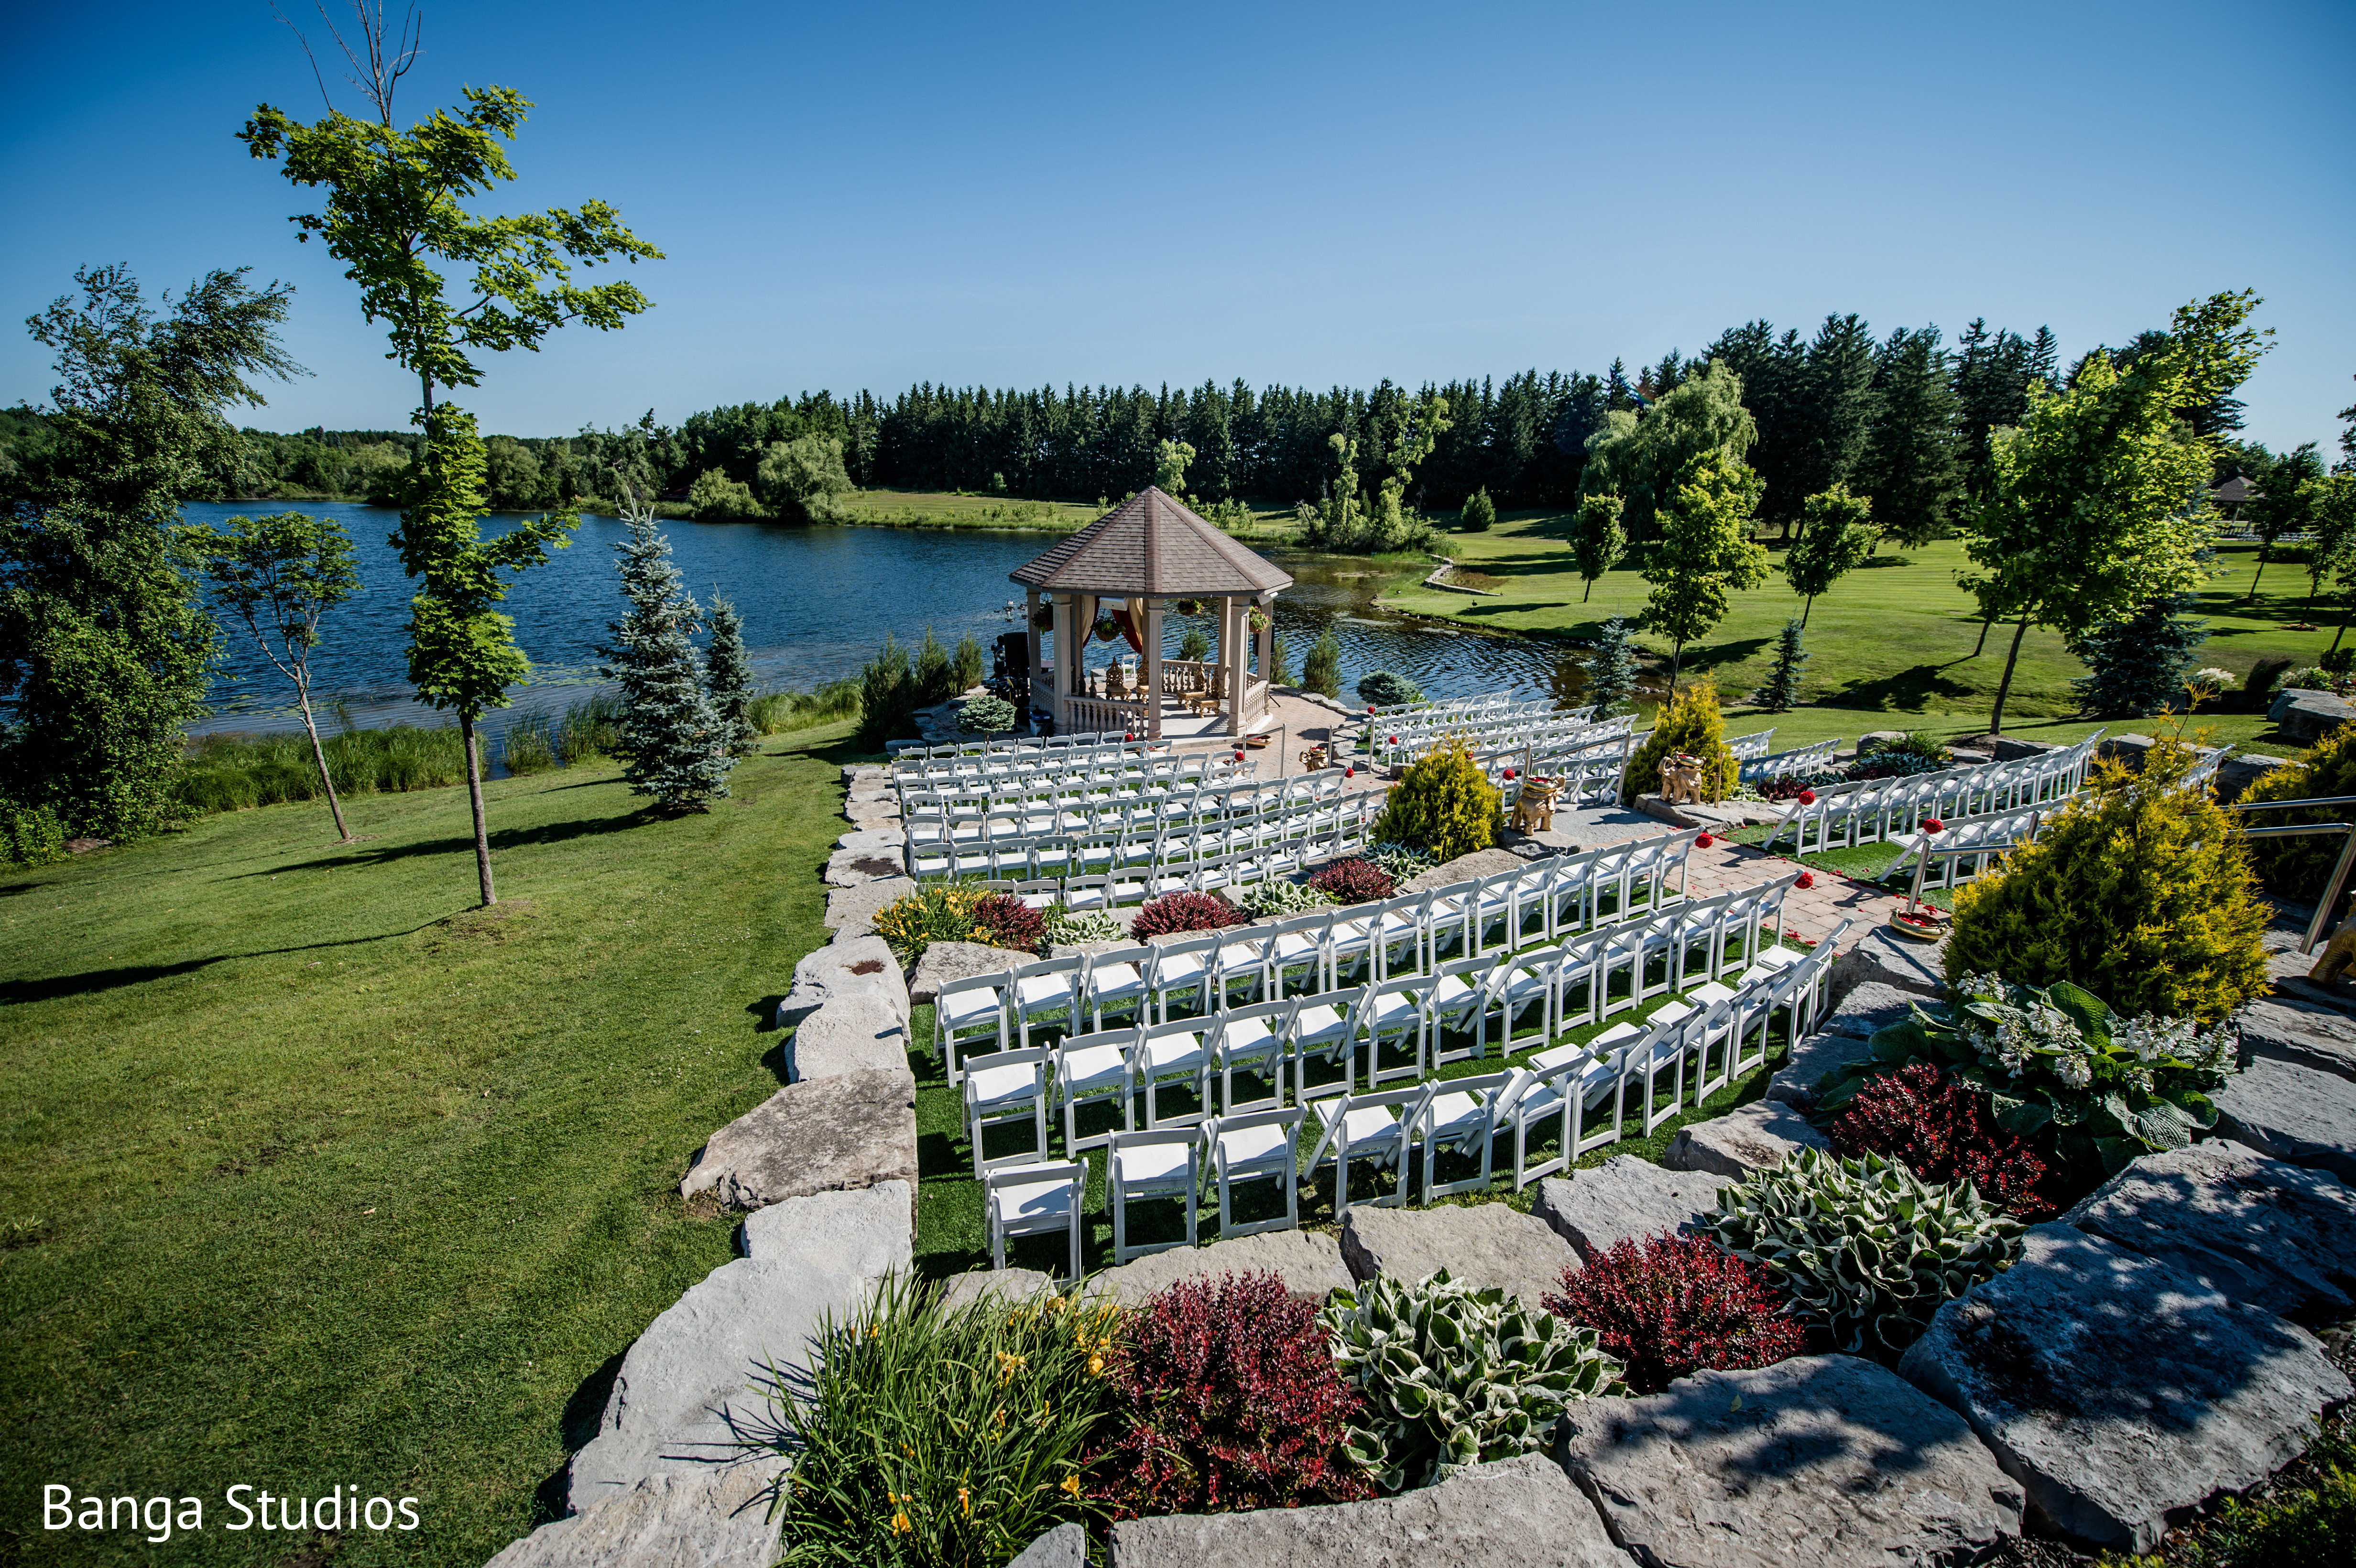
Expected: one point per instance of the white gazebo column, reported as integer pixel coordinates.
(1031, 631)
(1267, 649)
(1231, 653)
(1150, 633)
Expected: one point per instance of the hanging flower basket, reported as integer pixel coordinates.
(1189, 607)
(1108, 629)
(1046, 618)
(1256, 619)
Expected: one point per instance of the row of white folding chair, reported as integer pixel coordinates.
(1152, 839)
(1461, 1116)
(1393, 748)
(1081, 789)
(1431, 719)
(1876, 809)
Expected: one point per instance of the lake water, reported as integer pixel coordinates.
(817, 602)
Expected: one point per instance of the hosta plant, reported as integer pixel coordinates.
(1066, 926)
(1452, 1376)
(1278, 896)
(2058, 1063)
(1401, 862)
(1867, 1249)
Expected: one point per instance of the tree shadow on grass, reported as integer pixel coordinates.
(584, 1412)
(1908, 691)
(502, 839)
(90, 981)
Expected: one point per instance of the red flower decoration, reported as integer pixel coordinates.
(1370, 708)
(1932, 825)
(1128, 737)
(1239, 756)
(1807, 880)
(1807, 797)
(1349, 773)
(1394, 739)
(1704, 842)
(1509, 773)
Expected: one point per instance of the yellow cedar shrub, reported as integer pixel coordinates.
(2137, 890)
(1689, 722)
(1443, 804)
(2298, 867)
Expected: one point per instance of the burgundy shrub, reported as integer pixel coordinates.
(1184, 912)
(1353, 881)
(1941, 1129)
(1226, 1399)
(1002, 920)
(1672, 1305)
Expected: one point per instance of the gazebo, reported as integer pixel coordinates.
(1129, 563)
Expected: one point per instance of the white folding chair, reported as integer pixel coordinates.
(1000, 1088)
(1322, 1026)
(1379, 1126)
(1251, 1039)
(1115, 982)
(1456, 996)
(1162, 1162)
(1095, 1067)
(1043, 991)
(1259, 1146)
(1177, 968)
(1463, 1117)
(1164, 1053)
(969, 1012)
(1389, 1012)
(1036, 1200)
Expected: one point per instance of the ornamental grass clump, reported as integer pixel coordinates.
(1443, 804)
(1670, 1306)
(1352, 881)
(1452, 1376)
(1867, 1249)
(932, 1435)
(1225, 1398)
(1943, 1129)
(2058, 1064)
(2138, 889)
(1184, 912)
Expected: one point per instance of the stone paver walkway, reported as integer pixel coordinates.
(1809, 912)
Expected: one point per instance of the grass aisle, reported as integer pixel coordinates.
(304, 1159)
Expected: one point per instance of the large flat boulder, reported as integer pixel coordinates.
(2236, 774)
(879, 837)
(2252, 1227)
(1005, 1283)
(855, 1034)
(2119, 1391)
(1868, 1005)
(2301, 1033)
(856, 969)
(1065, 1546)
(946, 963)
(2309, 715)
(850, 867)
(1624, 1199)
(854, 910)
(1756, 1137)
(1826, 1460)
(1890, 960)
(1484, 1246)
(1795, 1084)
(2292, 1113)
(873, 813)
(827, 1135)
(693, 1393)
(1310, 1264)
(1513, 1513)
(1464, 869)
(866, 1233)
(718, 1519)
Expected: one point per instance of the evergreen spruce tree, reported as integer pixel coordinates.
(675, 746)
(1911, 467)
(728, 676)
(1783, 687)
(1612, 668)
(2136, 667)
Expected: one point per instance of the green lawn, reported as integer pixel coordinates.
(1895, 641)
(314, 1176)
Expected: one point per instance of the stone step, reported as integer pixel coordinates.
(2294, 1113)
(1625, 1199)
(1484, 1246)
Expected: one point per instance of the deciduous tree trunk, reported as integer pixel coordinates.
(319, 755)
(2004, 687)
(475, 799)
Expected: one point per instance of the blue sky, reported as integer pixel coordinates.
(870, 195)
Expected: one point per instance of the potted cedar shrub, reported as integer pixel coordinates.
(1443, 804)
(2138, 889)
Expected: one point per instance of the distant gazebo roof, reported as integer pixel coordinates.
(1153, 546)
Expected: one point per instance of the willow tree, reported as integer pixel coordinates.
(395, 213)
(1645, 460)
(2101, 494)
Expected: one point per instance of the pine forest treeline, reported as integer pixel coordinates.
(1903, 418)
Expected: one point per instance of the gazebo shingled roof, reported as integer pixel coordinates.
(1151, 546)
